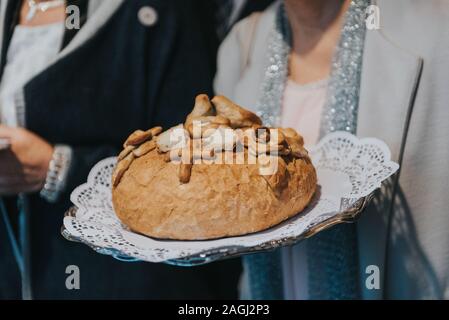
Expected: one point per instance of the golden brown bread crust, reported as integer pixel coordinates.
(220, 200)
(197, 201)
(238, 116)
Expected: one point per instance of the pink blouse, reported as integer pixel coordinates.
(301, 110)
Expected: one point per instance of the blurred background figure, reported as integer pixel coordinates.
(314, 65)
(74, 84)
(228, 12)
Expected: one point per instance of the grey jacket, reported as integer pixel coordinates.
(403, 101)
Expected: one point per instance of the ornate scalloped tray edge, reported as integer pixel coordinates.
(349, 171)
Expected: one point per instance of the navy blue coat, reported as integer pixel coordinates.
(126, 76)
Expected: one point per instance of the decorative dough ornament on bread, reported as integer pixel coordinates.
(219, 174)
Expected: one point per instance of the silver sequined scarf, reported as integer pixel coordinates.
(340, 112)
(332, 255)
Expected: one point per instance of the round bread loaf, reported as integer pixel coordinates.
(169, 200)
(220, 200)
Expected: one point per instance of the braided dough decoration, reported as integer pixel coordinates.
(163, 191)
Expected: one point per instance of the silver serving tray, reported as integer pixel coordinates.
(349, 215)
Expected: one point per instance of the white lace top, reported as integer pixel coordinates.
(32, 49)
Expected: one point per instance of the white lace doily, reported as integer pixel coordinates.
(349, 170)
